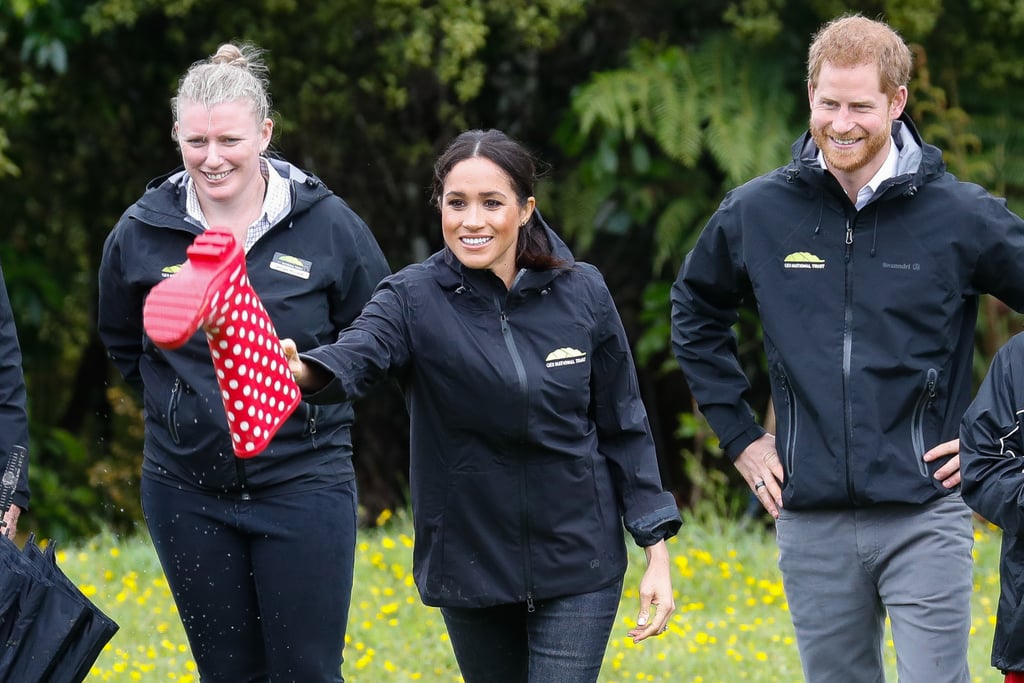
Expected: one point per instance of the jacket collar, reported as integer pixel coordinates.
(918, 161)
(164, 199)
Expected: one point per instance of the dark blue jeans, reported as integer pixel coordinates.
(563, 640)
(262, 586)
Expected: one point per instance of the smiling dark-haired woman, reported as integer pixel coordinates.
(530, 446)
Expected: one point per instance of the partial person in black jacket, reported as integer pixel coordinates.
(530, 446)
(992, 461)
(13, 409)
(258, 552)
(865, 260)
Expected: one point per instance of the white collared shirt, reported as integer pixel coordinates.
(886, 171)
(276, 204)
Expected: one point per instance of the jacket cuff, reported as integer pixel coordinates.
(735, 426)
(737, 444)
(332, 392)
(658, 525)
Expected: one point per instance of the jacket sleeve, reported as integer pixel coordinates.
(991, 443)
(999, 269)
(705, 305)
(120, 311)
(376, 344)
(13, 401)
(650, 513)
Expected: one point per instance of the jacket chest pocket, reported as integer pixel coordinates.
(564, 369)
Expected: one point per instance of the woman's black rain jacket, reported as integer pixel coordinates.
(530, 446)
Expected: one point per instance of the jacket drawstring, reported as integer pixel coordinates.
(791, 176)
(911, 191)
(874, 232)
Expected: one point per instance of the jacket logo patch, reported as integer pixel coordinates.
(292, 265)
(168, 271)
(803, 259)
(565, 356)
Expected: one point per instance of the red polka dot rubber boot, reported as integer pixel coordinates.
(212, 291)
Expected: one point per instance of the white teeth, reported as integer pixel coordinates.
(217, 176)
(475, 241)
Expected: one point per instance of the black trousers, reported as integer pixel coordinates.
(262, 586)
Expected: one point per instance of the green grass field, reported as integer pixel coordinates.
(730, 623)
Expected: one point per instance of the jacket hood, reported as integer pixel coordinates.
(456, 275)
(918, 162)
(163, 203)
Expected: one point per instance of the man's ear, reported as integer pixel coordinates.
(898, 103)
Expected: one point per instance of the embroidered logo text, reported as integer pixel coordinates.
(565, 356)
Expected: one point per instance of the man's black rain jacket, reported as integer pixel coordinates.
(868, 319)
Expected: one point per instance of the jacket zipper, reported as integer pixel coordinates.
(172, 411)
(517, 361)
(924, 401)
(791, 418)
(847, 361)
(312, 413)
(242, 480)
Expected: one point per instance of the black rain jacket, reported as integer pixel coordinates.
(313, 271)
(13, 411)
(868, 319)
(992, 468)
(530, 446)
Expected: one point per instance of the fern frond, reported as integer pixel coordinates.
(675, 108)
(613, 99)
(676, 230)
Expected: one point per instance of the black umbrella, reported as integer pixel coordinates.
(52, 633)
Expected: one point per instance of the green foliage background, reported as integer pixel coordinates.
(645, 111)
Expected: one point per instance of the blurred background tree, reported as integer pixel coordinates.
(645, 112)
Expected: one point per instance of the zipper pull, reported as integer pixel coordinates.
(933, 379)
(529, 603)
(849, 233)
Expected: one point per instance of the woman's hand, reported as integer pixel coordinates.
(295, 363)
(656, 590)
(309, 376)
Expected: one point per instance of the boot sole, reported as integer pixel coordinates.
(176, 307)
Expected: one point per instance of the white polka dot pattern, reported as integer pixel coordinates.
(258, 389)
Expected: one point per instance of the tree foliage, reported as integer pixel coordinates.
(710, 104)
(646, 113)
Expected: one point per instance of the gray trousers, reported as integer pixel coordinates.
(844, 570)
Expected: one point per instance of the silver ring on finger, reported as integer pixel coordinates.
(759, 485)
